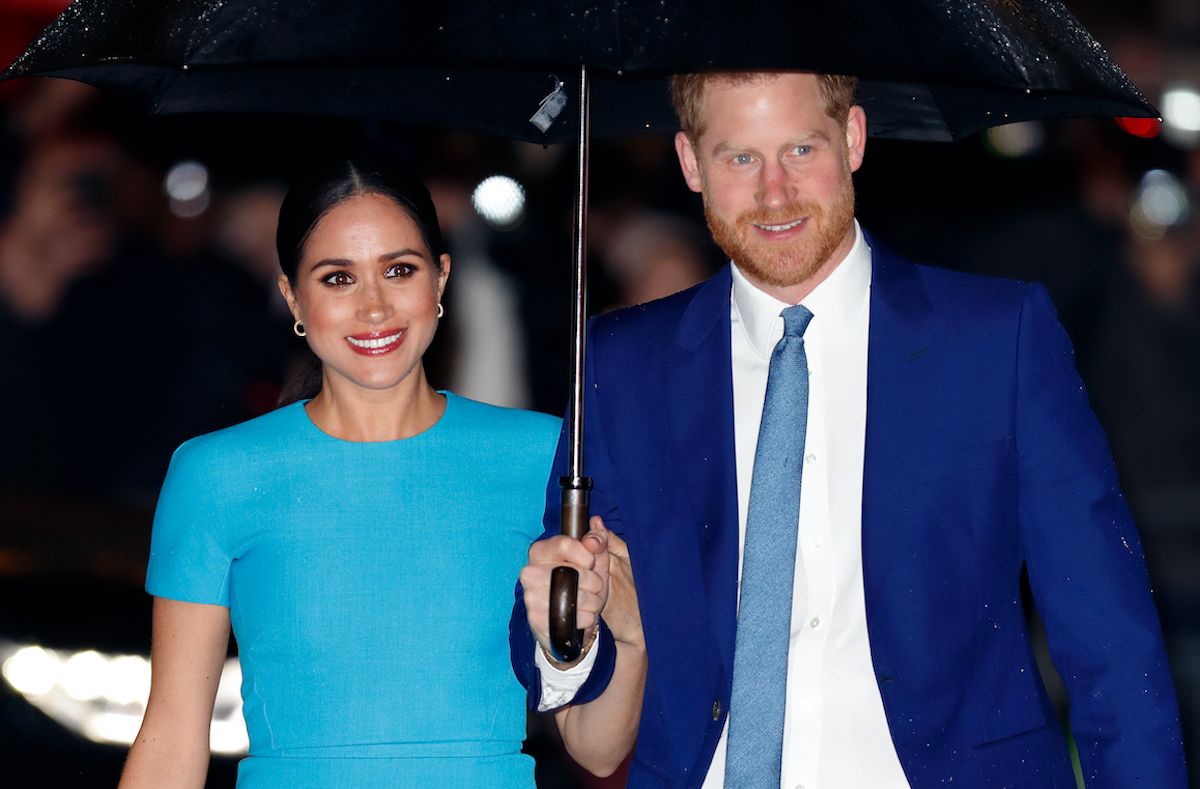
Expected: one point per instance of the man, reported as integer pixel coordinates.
(944, 442)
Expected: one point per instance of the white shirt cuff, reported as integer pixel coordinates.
(559, 686)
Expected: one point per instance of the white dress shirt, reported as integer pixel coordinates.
(835, 733)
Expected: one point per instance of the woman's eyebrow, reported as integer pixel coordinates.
(332, 262)
(401, 253)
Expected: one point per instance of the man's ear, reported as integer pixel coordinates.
(856, 137)
(687, 162)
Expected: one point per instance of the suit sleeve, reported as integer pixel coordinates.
(1087, 571)
(598, 466)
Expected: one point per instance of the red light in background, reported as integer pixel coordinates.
(1140, 127)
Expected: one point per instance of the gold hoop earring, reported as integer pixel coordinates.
(298, 328)
(441, 310)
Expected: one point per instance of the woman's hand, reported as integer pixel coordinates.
(187, 654)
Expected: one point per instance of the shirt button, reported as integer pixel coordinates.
(817, 542)
(717, 709)
(810, 458)
(815, 622)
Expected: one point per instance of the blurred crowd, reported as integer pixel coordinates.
(138, 304)
(130, 320)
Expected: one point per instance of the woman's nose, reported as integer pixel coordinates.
(374, 307)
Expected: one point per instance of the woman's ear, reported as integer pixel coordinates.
(285, 287)
(444, 274)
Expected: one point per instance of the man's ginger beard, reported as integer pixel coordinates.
(781, 265)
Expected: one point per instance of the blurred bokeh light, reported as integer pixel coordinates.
(1160, 203)
(103, 697)
(500, 200)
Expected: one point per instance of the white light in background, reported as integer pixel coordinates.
(103, 697)
(186, 185)
(128, 679)
(31, 670)
(1014, 140)
(500, 200)
(1181, 114)
(1160, 202)
(83, 675)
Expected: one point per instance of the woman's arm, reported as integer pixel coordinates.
(187, 653)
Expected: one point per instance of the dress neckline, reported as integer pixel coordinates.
(451, 404)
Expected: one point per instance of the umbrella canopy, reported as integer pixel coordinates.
(930, 69)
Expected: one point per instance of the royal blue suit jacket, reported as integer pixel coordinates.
(981, 455)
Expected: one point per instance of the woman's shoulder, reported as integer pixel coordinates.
(529, 425)
(252, 437)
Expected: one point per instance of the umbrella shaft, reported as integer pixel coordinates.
(579, 304)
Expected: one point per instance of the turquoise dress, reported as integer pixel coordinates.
(369, 586)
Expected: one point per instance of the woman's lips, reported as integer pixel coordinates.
(376, 343)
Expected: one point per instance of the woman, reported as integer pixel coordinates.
(364, 544)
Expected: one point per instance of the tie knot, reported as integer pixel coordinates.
(795, 320)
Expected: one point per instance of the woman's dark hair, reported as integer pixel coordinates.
(330, 183)
(317, 193)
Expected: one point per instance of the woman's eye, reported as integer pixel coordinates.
(400, 270)
(338, 278)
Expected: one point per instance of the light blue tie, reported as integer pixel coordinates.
(755, 750)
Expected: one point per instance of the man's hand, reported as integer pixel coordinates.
(589, 557)
(601, 733)
(621, 612)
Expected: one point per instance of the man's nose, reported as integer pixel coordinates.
(774, 189)
(374, 308)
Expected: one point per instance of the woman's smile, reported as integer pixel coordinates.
(376, 343)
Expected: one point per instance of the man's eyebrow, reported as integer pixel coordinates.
(726, 146)
(816, 135)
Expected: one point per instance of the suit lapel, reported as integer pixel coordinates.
(698, 382)
(901, 357)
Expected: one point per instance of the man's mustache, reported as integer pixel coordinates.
(779, 216)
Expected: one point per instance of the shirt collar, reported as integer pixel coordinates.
(838, 303)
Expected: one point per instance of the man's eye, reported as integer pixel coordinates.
(802, 150)
(743, 158)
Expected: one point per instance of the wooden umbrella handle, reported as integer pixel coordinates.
(566, 640)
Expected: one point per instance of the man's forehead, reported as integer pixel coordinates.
(749, 80)
(747, 106)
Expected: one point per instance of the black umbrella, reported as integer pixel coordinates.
(930, 70)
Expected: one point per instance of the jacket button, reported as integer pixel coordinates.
(717, 710)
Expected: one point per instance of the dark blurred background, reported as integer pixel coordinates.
(138, 309)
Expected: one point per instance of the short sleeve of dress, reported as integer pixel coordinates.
(189, 548)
